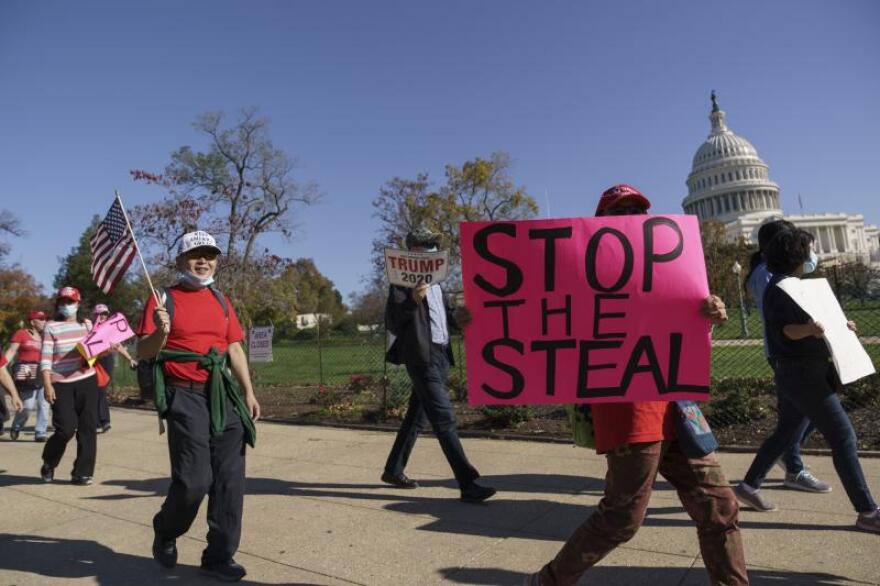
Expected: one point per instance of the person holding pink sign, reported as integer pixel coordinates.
(639, 441)
(108, 363)
(71, 388)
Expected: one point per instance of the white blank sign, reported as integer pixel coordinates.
(816, 298)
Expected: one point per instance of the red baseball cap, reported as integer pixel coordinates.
(69, 293)
(37, 315)
(621, 192)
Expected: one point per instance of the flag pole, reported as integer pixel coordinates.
(137, 248)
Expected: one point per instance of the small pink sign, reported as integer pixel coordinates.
(585, 310)
(115, 330)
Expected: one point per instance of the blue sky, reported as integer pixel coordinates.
(581, 94)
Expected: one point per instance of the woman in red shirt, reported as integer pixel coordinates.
(24, 354)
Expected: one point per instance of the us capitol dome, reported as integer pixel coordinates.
(730, 183)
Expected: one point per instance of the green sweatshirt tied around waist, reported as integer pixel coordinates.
(220, 386)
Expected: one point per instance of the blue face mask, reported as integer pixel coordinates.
(68, 310)
(194, 281)
(811, 264)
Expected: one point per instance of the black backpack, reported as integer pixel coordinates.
(145, 378)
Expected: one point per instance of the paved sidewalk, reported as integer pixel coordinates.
(316, 514)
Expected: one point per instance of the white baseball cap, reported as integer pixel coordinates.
(197, 239)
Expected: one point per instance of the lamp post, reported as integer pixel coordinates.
(737, 270)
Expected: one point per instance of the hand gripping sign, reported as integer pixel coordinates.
(408, 269)
(585, 310)
(105, 335)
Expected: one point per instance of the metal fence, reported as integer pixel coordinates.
(347, 378)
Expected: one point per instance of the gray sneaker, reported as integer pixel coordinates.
(804, 480)
(754, 499)
(869, 521)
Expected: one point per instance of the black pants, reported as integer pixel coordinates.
(103, 407)
(429, 402)
(203, 465)
(75, 412)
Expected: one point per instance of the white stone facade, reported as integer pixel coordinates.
(730, 183)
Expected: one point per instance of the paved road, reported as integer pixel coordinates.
(316, 514)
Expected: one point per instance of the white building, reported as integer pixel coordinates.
(307, 321)
(730, 183)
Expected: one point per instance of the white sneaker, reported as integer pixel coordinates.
(804, 480)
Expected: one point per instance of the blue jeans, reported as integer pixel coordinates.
(809, 387)
(34, 400)
(429, 402)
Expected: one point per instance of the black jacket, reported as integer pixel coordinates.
(410, 323)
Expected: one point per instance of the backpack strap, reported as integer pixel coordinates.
(221, 299)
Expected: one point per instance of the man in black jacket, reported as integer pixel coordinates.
(418, 320)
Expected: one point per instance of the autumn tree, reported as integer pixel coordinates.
(19, 294)
(480, 189)
(239, 187)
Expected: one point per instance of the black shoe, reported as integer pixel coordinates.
(399, 481)
(14, 433)
(164, 550)
(474, 493)
(81, 480)
(105, 428)
(40, 439)
(225, 571)
(47, 473)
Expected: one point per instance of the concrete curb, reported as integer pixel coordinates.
(500, 435)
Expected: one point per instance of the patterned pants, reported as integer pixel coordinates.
(703, 490)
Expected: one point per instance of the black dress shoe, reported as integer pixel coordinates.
(47, 473)
(164, 550)
(399, 480)
(474, 493)
(225, 571)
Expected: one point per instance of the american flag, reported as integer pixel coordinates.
(113, 249)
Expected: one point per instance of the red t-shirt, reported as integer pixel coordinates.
(616, 424)
(198, 324)
(29, 349)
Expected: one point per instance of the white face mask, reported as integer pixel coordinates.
(811, 263)
(195, 281)
(69, 309)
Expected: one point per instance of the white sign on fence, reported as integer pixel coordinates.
(260, 344)
(408, 269)
(817, 299)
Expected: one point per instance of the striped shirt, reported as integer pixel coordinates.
(59, 354)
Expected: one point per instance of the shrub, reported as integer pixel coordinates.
(306, 335)
(360, 382)
(737, 406)
(457, 386)
(507, 416)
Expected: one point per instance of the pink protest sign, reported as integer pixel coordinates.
(104, 336)
(585, 310)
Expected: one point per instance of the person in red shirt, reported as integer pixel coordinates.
(639, 441)
(24, 353)
(196, 346)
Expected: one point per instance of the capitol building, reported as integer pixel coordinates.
(730, 183)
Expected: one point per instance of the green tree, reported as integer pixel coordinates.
(720, 255)
(313, 292)
(75, 271)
